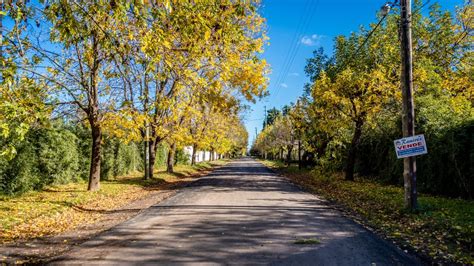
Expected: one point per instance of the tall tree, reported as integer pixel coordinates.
(22, 97)
(85, 31)
(208, 45)
(271, 116)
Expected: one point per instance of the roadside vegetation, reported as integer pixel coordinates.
(341, 131)
(350, 112)
(60, 208)
(442, 230)
(91, 90)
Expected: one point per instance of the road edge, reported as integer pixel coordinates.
(66, 241)
(355, 218)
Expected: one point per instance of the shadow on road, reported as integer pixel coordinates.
(240, 214)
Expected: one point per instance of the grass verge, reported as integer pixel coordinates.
(307, 241)
(442, 230)
(64, 207)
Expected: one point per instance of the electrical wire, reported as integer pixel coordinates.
(288, 67)
(294, 47)
(379, 23)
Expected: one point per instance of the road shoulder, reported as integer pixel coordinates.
(43, 249)
(350, 215)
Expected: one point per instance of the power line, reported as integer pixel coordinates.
(298, 41)
(256, 119)
(421, 7)
(370, 34)
(392, 4)
(293, 56)
(294, 45)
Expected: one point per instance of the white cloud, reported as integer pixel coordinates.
(312, 40)
(294, 74)
(307, 41)
(284, 85)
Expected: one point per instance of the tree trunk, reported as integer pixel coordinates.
(299, 154)
(212, 155)
(351, 157)
(193, 156)
(146, 158)
(170, 161)
(116, 159)
(94, 174)
(152, 146)
(93, 117)
(288, 155)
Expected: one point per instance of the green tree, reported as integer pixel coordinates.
(80, 72)
(22, 98)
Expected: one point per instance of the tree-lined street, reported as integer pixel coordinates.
(242, 213)
(319, 114)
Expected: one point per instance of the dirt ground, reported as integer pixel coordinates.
(40, 250)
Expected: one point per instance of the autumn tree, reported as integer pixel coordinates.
(22, 97)
(131, 71)
(196, 47)
(85, 32)
(271, 116)
(356, 88)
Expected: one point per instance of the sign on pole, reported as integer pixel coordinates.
(410, 146)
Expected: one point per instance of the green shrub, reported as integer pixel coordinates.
(447, 169)
(84, 146)
(181, 157)
(119, 158)
(161, 155)
(20, 174)
(61, 154)
(45, 157)
(58, 156)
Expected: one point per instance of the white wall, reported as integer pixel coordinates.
(200, 155)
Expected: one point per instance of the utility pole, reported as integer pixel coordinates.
(256, 134)
(408, 110)
(298, 129)
(265, 115)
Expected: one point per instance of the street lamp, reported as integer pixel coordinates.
(385, 9)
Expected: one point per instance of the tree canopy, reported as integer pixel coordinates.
(174, 72)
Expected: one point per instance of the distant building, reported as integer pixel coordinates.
(200, 156)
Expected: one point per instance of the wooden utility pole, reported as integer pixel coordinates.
(265, 114)
(299, 136)
(408, 110)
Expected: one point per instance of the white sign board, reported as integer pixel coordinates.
(410, 146)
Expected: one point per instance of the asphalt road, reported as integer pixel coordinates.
(240, 214)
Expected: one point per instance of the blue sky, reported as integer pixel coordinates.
(298, 27)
